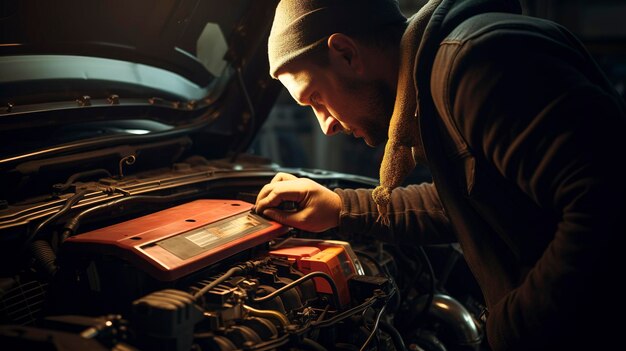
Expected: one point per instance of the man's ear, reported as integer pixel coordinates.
(345, 52)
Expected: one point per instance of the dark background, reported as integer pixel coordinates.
(291, 136)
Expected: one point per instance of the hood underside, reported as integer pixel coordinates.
(113, 78)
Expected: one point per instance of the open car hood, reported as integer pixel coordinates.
(85, 84)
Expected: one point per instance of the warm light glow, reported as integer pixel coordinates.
(442, 305)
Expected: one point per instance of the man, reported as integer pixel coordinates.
(519, 128)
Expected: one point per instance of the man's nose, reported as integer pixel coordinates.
(328, 123)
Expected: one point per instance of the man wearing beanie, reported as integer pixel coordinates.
(520, 131)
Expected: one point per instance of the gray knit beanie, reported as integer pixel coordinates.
(300, 25)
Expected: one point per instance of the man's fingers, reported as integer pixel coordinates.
(272, 199)
(265, 191)
(281, 176)
(317, 208)
(272, 195)
(269, 188)
(279, 195)
(276, 215)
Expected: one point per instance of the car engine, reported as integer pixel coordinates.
(176, 272)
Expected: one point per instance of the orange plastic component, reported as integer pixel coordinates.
(295, 253)
(331, 260)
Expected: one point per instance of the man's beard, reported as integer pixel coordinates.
(379, 100)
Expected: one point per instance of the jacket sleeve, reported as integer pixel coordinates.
(416, 215)
(538, 114)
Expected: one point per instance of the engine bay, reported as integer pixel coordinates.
(135, 265)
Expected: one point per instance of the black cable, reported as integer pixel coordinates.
(345, 314)
(64, 209)
(405, 258)
(312, 345)
(374, 261)
(447, 269)
(320, 324)
(398, 342)
(301, 280)
(74, 177)
(384, 271)
(374, 328)
(45, 256)
(241, 268)
(408, 283)
(217, 281)
(315, 332)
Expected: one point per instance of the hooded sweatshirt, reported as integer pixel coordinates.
(521, 131)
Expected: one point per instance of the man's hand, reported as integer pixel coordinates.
(317, 207)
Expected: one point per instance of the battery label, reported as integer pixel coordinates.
(214, 235)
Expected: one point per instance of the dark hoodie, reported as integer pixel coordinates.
(521, 132)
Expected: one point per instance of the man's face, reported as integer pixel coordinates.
(342, 103)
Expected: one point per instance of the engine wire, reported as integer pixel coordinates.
(217, 281)
(273, 344)
(242, 268)
(312, 345)
(374, 328)
(383, 271)
(345, 314)
(301, 280)
(408, 283)
(395, 335)
(64, 209)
